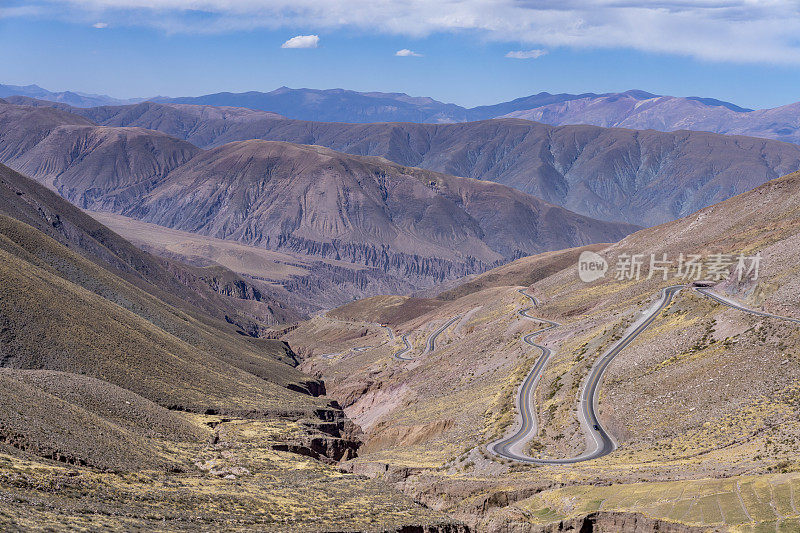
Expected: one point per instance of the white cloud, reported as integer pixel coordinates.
(526, 54)
(758, 31)
(100, 25)
(302, 41)
(405, 52)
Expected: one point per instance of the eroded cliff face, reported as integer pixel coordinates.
(330, 437)
(599, 522)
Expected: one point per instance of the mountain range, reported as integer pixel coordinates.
(340, 105)
(412, 223)
(639, 177)
(73, 98)
(637, 110)
(166, 363)
(633, 109)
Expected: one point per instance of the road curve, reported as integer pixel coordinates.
(389, 332)
(734, 305)
(430, 345)
(589, 397)
(528, 429)
(400, 355)
(587, 408)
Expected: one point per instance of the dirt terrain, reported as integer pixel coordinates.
(126, 407)
(704, 404)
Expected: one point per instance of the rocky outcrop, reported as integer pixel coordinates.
(384, 471)
(381, 257)
(329, 437)
(597, 522)
(435, 528)
(444, 527)
(323, 448)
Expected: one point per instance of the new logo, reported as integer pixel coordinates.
(591, 266)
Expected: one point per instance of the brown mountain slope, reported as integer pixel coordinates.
(613, 174)
(406, 222)
(366, 210)
(216, 291)
(642, 177)
(24, 127)
(50, 414)
(108, 397)
(704, 404)
(80, 160)
(62, 312)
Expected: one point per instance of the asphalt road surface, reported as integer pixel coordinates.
(730, 303)
(359, 349)
(603, 444)
(430, 344)
(528, 429)
(400, 355)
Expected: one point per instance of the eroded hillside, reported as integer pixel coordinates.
(705, 399)
(127, 407)
(643, 177)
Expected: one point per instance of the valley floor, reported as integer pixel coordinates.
(711, 457)
(237, 481)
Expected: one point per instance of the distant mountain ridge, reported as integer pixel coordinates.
(635, 109)
(544, 99)
(335, 105)
(340, 105)
(73, 98)
(640, 177)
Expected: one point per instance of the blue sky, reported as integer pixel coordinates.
(177, 48)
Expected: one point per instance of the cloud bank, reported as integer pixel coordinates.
(713, 30)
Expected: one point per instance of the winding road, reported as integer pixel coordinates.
(430, 344)
(734, 305)
(511, 447)
(359, 349)
(400, 355)
(525, 398)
